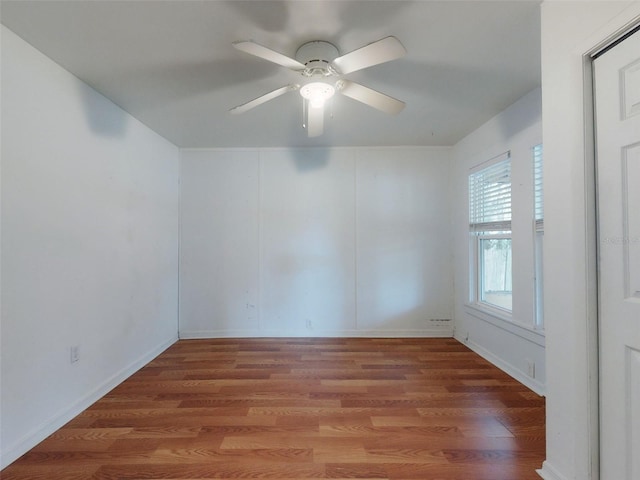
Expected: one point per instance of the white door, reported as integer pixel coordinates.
(617, 87)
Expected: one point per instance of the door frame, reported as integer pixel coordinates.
(601, 45)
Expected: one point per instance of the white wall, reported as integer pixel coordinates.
(291, 242)
(569, 31)
(89, 245)
(510, 344)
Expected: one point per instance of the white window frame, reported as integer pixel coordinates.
(480, 229)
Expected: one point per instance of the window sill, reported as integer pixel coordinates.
(504, 321)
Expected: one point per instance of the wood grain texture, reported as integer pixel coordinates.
(287, 409)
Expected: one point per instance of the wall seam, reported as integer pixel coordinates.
(179, 246)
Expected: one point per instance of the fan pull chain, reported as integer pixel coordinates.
(304, 113)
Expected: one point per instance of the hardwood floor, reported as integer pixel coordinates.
(303, 408)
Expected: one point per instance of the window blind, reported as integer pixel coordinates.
(538, 188)
(490, 196)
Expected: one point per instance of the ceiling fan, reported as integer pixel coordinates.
(322, 67)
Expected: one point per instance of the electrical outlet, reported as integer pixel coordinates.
(74, 353)
(531, 368)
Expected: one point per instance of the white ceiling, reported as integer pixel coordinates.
(171, 64)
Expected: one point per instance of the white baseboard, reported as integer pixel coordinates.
(426, 333)
(532, 383)
(32, 438)
(547, 472)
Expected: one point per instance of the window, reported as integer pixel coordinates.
(537, 188)
(490, 233)
(538, 219)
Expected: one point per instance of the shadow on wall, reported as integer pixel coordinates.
(311, 159)
(103, 117)
(520, 120)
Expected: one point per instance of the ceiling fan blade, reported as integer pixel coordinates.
(370, 97)
(385, 50)
(264, 98)
(265, 53)
(315, 121)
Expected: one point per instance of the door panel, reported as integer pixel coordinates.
(631, 219)
(617, 90)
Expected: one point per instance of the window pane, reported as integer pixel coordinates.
(495, 268)
(490, 195)
(539, 282)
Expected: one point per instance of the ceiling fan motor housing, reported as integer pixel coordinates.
(317, 57)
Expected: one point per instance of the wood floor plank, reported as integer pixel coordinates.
(303, 408)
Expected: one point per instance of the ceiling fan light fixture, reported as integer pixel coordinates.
(317, 93)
